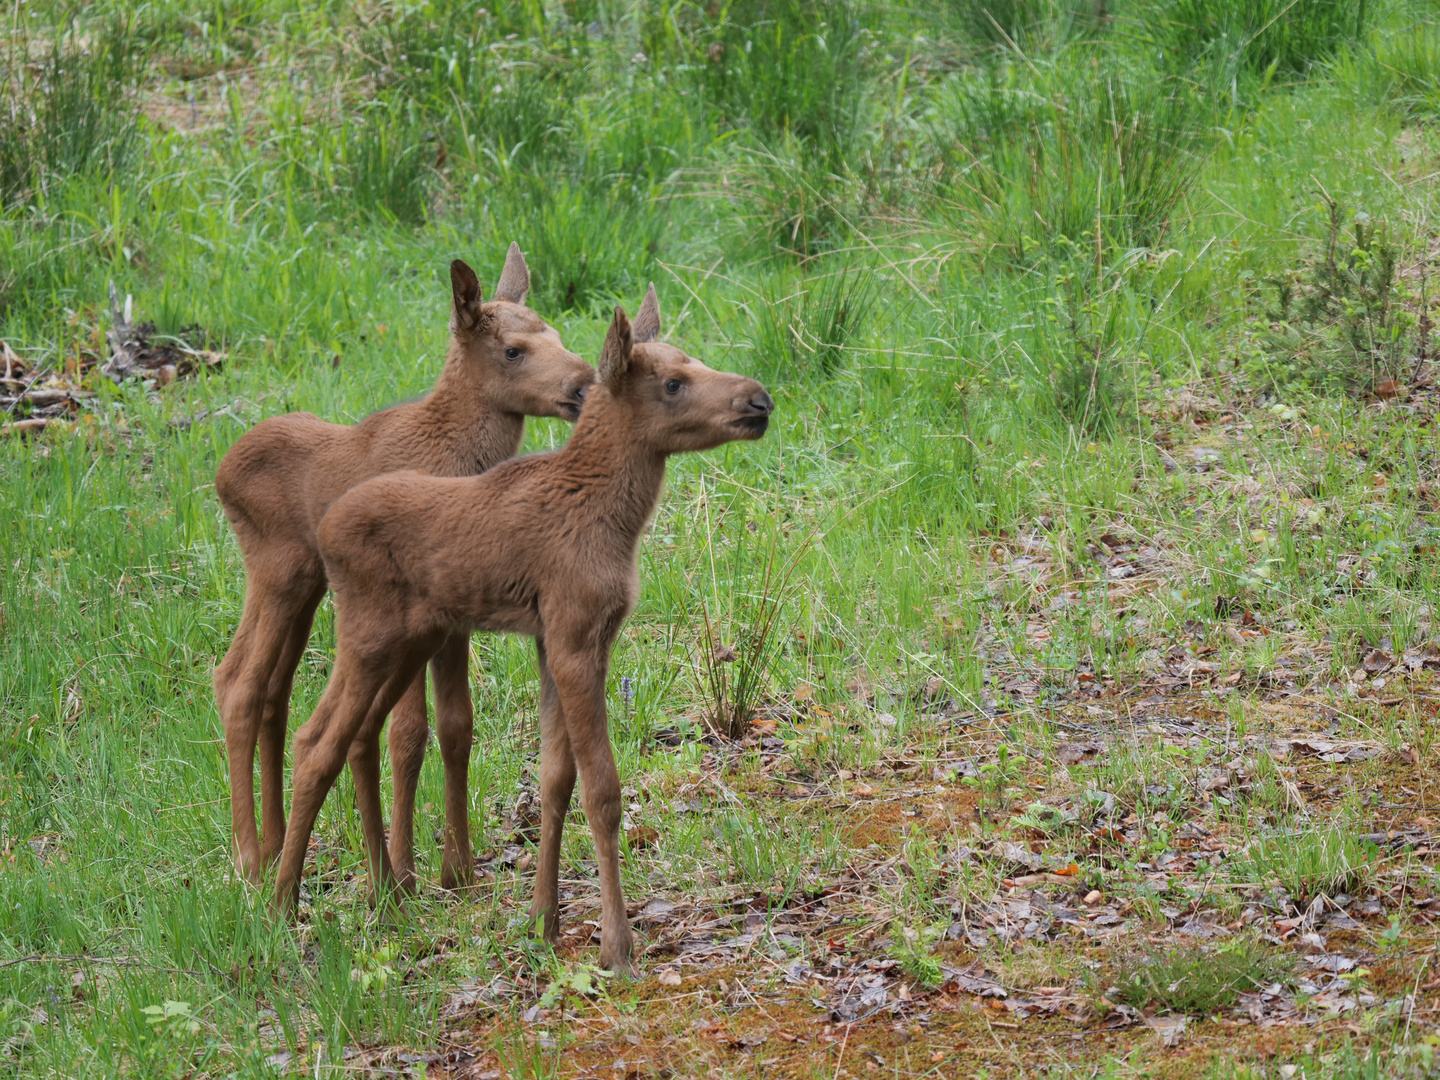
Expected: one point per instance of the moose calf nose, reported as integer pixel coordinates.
(762, 403)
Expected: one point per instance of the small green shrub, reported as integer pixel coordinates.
(1339, 322)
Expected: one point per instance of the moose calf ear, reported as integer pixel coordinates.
(615, 354)
(514, 282)
(646, 326)
(466, 289)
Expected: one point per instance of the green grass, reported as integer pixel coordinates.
(1197, 981)
(1000, 284)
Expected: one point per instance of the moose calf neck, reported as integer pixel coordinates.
(545, 545)
(276, 483)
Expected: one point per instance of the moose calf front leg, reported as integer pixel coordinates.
(409, 731)
(321, 744)
(359, 696)
(364, 759)
(455, 731)
(580, 680)
(557, 783)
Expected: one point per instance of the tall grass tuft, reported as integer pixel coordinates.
(1261, 35)
(1056, 155)
(803, 329)
(1027, 23)
(789, 68)
(389, 161)
(1319, 861)
(744, 616)
(1196, 980)
(1401, 66)
(72, 112)
(794, 79)
(585, 245)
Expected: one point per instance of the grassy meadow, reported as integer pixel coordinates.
(1051, 693)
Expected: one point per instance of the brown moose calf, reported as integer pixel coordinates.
(545, 545)
(277, 482)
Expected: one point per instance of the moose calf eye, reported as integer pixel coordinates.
(512, 353)
(673, 386)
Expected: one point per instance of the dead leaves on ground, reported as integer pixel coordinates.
(36, 393)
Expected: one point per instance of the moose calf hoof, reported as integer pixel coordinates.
(251, 871)
(285, 903)
(407, 882)
(615, 952)
(456, 878)
(620, 965)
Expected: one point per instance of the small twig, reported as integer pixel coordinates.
(843, 1043)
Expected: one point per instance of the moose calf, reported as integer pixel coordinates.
(545, 545)
(504, 363)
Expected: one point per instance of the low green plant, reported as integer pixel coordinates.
(1197, 980)
(578, 980)
(911, 947)
(994, 779)
(1317, 861)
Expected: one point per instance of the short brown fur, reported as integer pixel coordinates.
(277, 482)
(545, 545)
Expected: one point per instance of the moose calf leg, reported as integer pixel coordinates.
(356, 690)
(241, 680)
(275, 725)
(409, 731)
(455, 731)
(240, 753)
(557, 783)
(364, 757)
(580, 680)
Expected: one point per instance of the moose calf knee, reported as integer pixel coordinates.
(602, 807)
